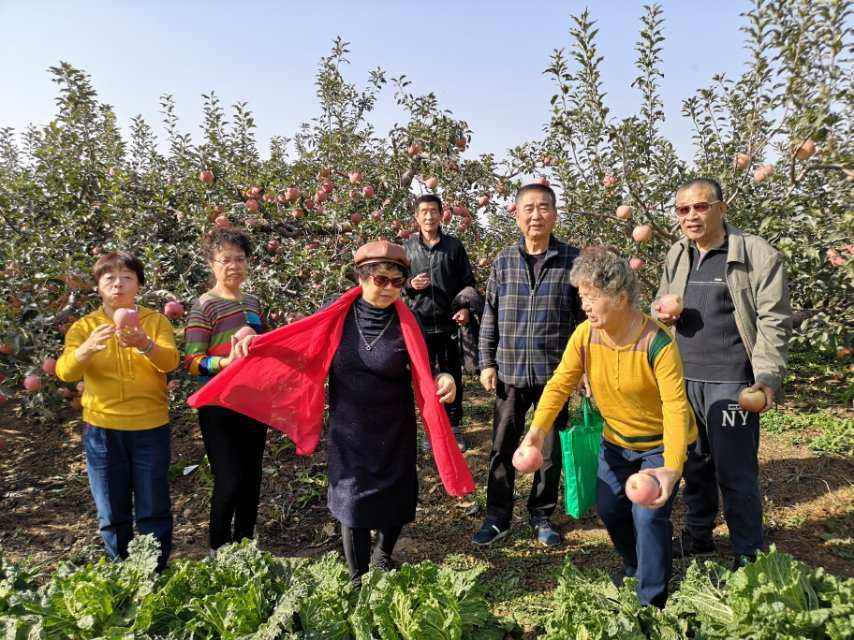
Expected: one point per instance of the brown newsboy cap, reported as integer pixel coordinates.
(382, 251)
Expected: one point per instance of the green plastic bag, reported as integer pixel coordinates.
(580, 444)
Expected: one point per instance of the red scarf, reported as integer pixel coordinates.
(280, 383)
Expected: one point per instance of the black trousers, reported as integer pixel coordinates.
(445, 356)
(725, 456)
(357, 547)
(235, 448)
(508, 428)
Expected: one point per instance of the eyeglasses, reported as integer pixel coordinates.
(699, 207)
(228, 261)
(383, 281)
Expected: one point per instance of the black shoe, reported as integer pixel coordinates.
(382, 562)
(489, 533)
(545, 532)
(741, 560)
(461, 442)
(688, 545)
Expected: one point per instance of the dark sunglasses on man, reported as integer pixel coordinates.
(699, 207)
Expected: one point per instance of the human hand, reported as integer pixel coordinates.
(664, 318)
(97, 341)
(420, 282)
(133, 337)
(768, 391)
(446, 388)
(462, 317)
(668, 479)
(535, 437)
(583, 388)
(489, 378)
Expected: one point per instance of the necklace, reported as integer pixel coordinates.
(370, 345)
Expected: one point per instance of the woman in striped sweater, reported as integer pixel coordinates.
(234, 442)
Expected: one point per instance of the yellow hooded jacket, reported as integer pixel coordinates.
(123, 389)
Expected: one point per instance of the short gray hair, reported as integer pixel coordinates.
(605, 269)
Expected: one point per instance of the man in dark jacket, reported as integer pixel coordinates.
(531, 310)
(441, 271)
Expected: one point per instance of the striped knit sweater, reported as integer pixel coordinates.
(211, 323)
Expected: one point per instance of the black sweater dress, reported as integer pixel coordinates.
(371, 439)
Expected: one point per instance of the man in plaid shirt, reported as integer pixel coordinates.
(531, 310)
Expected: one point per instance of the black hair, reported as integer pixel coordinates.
(536, 186)
(119, 260)
(218, 238)
(714, 185)
(427, 197)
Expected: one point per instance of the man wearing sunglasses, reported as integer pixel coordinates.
(732, 333)
(441, 271)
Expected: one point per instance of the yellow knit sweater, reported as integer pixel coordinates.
(638, 388)
(123, 389)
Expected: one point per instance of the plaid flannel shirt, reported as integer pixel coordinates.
(525, 328)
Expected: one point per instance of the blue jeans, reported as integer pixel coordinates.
(129, 477)
(641, 536)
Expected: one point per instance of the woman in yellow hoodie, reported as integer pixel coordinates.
(126, 433)
(634, 372)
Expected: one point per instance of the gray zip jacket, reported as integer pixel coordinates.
(760, 293)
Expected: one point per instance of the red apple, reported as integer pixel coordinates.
(126, 319)
(446, 217)
(461, 143)
(355, 177)
(272, 245)
(251, 205)
(49, 366)
(297, 213)
(6, 348)
(642, 489)
(325, 172)
(173, 310)
(806, 150)
(32, 383)
(642, 233)
(254, 192)
(635, 264)
(356, 218)
(327, 186)
(610, 181)
(377, 216)
(368, 191)
(511, 208)
(460, 211)
(223, 222)
(741, 161)
(414, 149)
(308, 204)
(670, 304)
(431, 183)
(206, 176)
(292, 194)
(527, 459)
(762, 172)
(321, 195)
(753, 401)
(547, 161)
(624, 212)
(483, 200)
(834, 258)
(542, 180)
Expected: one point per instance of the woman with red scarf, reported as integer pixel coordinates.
(370, 346)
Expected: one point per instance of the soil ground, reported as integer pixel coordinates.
(47, 514)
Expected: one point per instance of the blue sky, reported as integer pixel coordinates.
(484, 60)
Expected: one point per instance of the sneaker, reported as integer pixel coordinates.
(461, 442)
(382, 562)
(545, 532)
(489, 533)
(688, 545)
(741, 560)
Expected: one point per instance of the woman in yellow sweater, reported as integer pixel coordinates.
(126, 434)
(634, 372)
